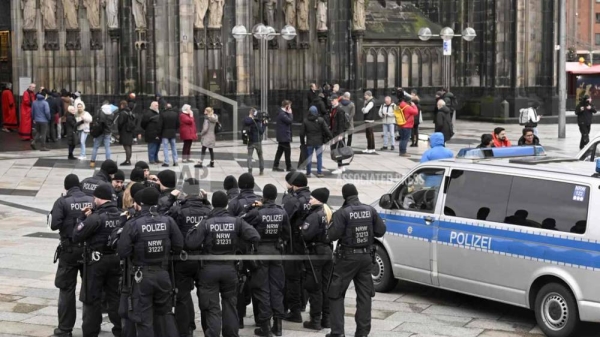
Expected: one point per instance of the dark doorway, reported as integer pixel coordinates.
(5, 57)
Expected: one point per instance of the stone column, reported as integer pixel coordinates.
(323, 75)
(186, 46)
(150, 50)
(114, 80)
(128, 55)
(243, 47)
(357, 37)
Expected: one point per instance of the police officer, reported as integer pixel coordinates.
(117, 184)
(268, 280)
(356, 226)
(297, 207)
(219, 235)
(318, 269)
(188, 213)
(231, 187)
(149, 239)
(66, 210)
(289, 190)
(105, 175)
(167, 181)
(102, 274)
(149, 179)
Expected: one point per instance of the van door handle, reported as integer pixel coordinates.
(428, 220)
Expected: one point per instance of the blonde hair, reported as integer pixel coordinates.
(127, 198)
(328, 212)
(210, 110)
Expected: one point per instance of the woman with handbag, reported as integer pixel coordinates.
(187, 131)
(208, 137)
(71, 131)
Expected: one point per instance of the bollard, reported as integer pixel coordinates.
(505, 106)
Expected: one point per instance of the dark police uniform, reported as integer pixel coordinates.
(187, 213)
(103, 270)
(65, 212)
(232, 193)
(238, 205)
(149, 239)
(314, 233)
(166, 201)
(268, 280)
(297, 207)
(88, 185)
(219, 235)
(355, 225)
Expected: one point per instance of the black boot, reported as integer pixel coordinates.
(264, 330)
(212, 164)
(293, 316)
(313, 324)
(277, 327)
(325, 323)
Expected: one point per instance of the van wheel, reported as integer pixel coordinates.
(383, 277)
(556, 311)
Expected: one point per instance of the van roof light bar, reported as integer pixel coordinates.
(501, 152)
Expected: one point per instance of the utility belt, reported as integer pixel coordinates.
(95, 255)
(184, 255)
(65, 245)
(138, 271)
(343, 252)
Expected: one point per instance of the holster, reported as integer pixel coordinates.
(58, 251)
(373, 251)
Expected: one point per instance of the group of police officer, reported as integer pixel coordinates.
(141, 250)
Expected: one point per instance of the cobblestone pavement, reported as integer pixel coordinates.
(31, 181)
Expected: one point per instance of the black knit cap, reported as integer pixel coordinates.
(191, 186)
(104, 191)
(288, 177)
(137, 175)
(142, 164)
(246, 181)
(167, 178)
(119, 175)
(270, 192)
(321, 194)
(219, 199)
(349, 190)
(109, 166)
(299, 179)
(135, 188)
(71, 181)
(149, 196)
(230, 182)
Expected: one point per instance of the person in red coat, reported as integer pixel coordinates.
(25, 125)
(9, 110)
(187, 131)
(410, 110)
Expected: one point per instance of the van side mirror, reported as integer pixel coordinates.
(386, 201)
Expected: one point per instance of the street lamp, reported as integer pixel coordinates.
(264, 34)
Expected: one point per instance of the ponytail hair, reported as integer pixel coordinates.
(328, 212)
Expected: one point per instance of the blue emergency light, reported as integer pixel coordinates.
(502, 152)
(598, 165)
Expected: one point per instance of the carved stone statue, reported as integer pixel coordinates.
(139, 13)
(112, 13)
(269, 12)
(93, 13)
(289, 10)
(29, 13)
(70, 8)
(322, 15)
(201, 6)
(215, 15)
(49, 14)
(303, 15)
(358, 15)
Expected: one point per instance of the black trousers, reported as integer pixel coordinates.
(52, 133)
(357, 268)
(317, 291)
(294, 271)
(210, 150)
(283, 149)
(69, 265)
(219, 279)
(584, 129)
(127, 149)
(102, 277)
(370, 138)
(152, 304)
(186, 275)
(267, 284)
(349, 139)
(414, 137)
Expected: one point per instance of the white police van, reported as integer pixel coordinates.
(511, 230)
(591, 151)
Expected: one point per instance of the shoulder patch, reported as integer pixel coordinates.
(80, 226)
(305, 226)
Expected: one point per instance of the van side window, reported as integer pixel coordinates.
(477, 195)
(419, 191)
(548, 204)
(592, 153)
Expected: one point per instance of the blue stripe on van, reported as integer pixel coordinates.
(558, 250)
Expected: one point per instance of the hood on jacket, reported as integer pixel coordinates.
(345, 102)
(108, 109)
(40, 97)
(313, 110)
(312, 117)
(436, 139)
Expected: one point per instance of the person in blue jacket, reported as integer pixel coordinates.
(438, 150)
(40, 114)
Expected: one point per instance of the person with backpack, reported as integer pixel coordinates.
(405, 119)
(126, 125)
(450, 100)
(349, 109)
(338, 126)
(101, 130)
(529, 117)
(187, 131)
(314, 133)
(254, 128)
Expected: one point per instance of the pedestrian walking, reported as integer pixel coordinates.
(338, 124)
(151, 126)
(355, 226)
(148, 240)
(283, 133)
(187, 132)
(102, 130)
(268, 279)
(585, 111)
(255, 128)
(318, 270)
(65, 212)
(314, 133)
(84, 120)
(71, 131)
(369, 117)
(25, 123)
(40, 113)
(208, 137)
(101, 277)
(126, 126)
(219, 279)
(9, 109)
(169, 126)
(348, 107)
(386, 113)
